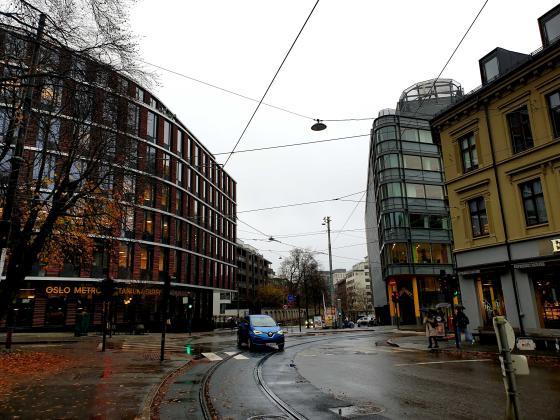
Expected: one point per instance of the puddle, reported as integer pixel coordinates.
(352, 411)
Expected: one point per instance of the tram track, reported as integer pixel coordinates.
(210, 413)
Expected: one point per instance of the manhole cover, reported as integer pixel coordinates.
(269, 417)
(351, 411)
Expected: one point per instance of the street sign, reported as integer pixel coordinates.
(519, 363)
(525, 344)
(510, 334)
(291, 298)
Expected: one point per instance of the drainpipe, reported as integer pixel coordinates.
(502, 214)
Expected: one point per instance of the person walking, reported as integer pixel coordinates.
(462, 322)
(431, 332)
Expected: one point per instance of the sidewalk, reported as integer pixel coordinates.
(418, 341)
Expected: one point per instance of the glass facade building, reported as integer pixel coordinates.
(407, 215)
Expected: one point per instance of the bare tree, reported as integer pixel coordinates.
(301, 269)
(67, 161)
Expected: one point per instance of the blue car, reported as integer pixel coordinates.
(259, 330)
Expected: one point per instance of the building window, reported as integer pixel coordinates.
(520, 129)
(150, 160)
(412, 162)
(440, 254)
(178, 202)
(550, 27)
(554, 109)
(165, 229)
(479, 219)
(179, 143)
(148, 226)
(398, 253)
(125, 260)
(146, 262)
(386, 133)
(165, 198)
(392, 189)
(533, 202)
(490, 69)
(469, 156)
(430, 164)
(152, 127)
(149, 196)
(165, 164)
(422, 253)
(133, 121)
(166, 135)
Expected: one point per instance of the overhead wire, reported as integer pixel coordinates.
(270, 84)
(280, 146)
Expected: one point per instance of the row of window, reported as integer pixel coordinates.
(534, 208)
(416, 253)
(405, 134)
(185, 236)
(399, 219)
(519, 128)
(410, 190)
(393, 160)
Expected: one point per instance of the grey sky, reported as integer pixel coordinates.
(353, 59)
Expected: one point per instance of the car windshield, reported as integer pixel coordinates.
(263, 321)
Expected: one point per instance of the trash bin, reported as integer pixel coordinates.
(82, 324)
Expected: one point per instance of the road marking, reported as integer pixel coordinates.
(230, 353)
(213, 357)
(240, 357)
(446, 361)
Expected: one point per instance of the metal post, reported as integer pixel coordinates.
(512, 407)
(164, 315)
(331, 284)
(16, 161)
(104, 339)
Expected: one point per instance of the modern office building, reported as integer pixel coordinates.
(406, 206)
(501, 154)
(253, 270)
(180, 215)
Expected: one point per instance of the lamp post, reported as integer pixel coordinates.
(327, 222)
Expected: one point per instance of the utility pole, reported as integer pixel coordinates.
(19, 131)
(327, 221)
(165, 312)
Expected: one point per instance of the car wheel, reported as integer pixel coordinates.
(250, 344)
(281, 347)
(238, 341)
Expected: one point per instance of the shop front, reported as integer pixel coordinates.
(56, 306)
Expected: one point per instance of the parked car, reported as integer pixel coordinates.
(366, 321)
(259, 330)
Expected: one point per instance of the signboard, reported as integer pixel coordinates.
(329, 320)
(291, 298)
(93, 290)
(520, 365)
(317, 321)
(525, 344)
(510, 334)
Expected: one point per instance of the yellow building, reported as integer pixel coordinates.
(501, 153)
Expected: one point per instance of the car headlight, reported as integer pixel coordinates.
(257, 332)
(281, 332)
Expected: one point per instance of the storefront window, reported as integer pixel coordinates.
(491, 299)
(547, 290)
(422, 253)
(440, 254)
(399, 254)
(56, 311)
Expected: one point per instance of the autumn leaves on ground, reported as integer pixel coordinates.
(20, 366)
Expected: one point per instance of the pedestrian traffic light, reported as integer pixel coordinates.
(107, 287)
(190, 306)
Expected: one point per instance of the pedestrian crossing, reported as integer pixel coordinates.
(176, 349)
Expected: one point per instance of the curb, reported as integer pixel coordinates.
(150, 399)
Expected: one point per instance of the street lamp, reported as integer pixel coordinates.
(318, 126)
(327, 222)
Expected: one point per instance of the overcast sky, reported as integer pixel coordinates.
(354, 58)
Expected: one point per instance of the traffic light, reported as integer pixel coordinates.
(107, 287)
(190, 306)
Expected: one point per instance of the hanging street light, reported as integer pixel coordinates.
(318, 126)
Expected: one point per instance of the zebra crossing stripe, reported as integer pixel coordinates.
(240, 357)
(212, 357)
(230, 353)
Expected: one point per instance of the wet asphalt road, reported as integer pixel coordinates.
(350, 370)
